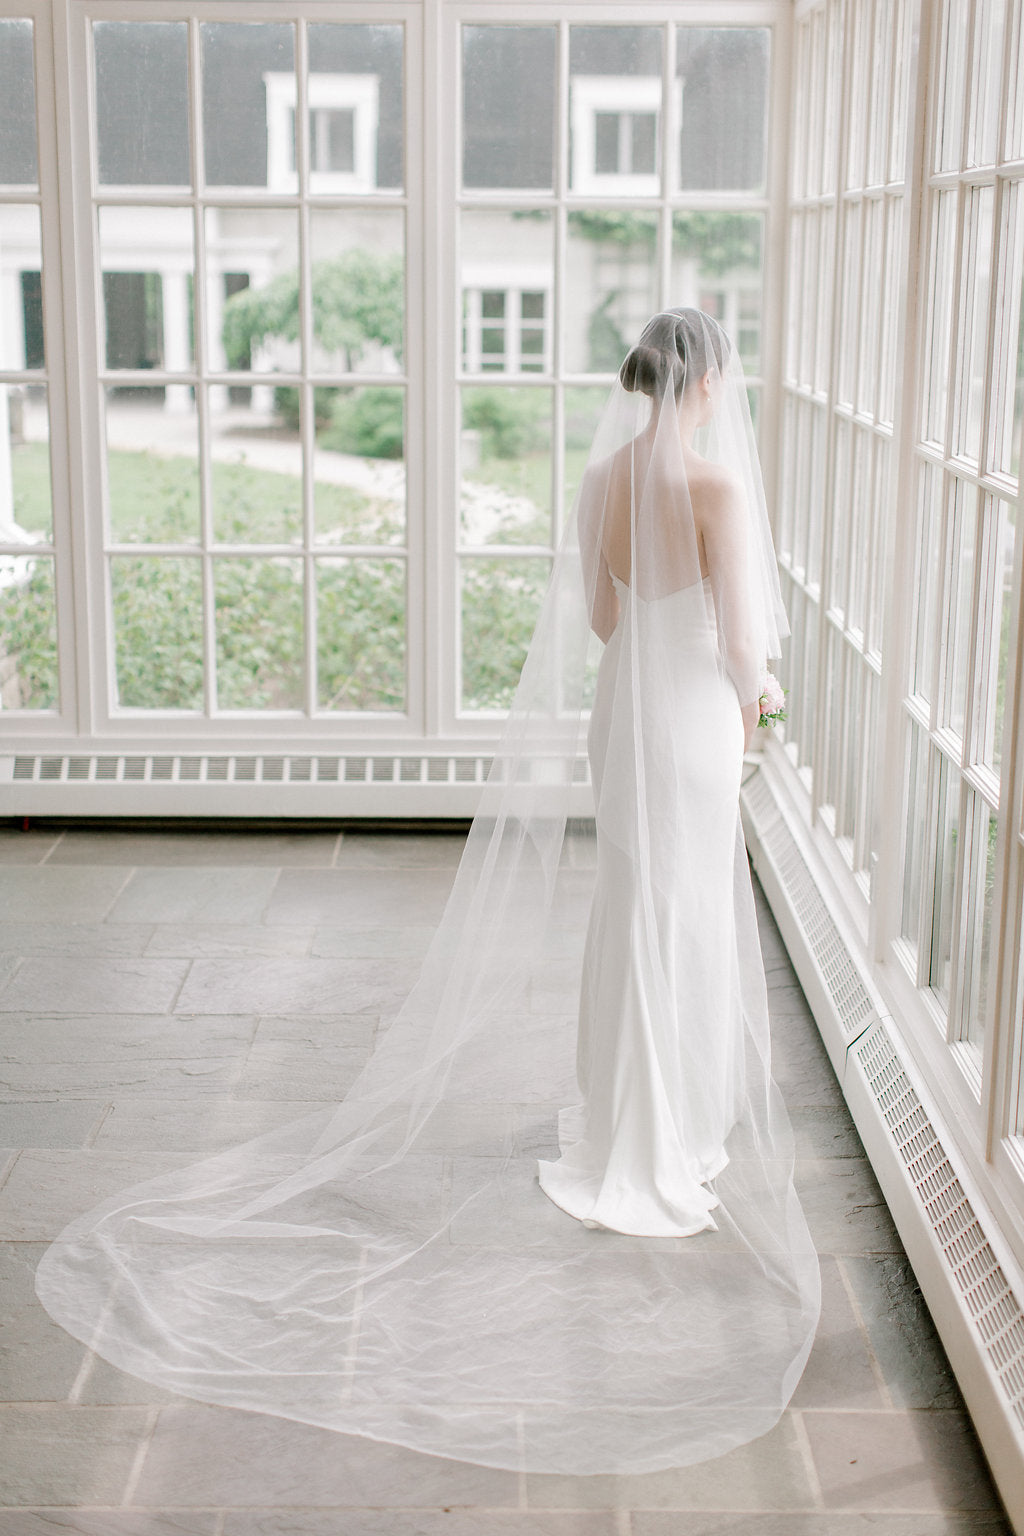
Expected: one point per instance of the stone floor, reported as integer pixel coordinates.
(163, 994)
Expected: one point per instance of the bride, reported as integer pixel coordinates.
(391, 1267)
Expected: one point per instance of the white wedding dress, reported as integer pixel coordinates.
(660, 1057)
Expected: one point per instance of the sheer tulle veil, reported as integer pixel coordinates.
(391, 1267)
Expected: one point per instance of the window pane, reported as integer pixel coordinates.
(614, 108)
(952, 75)
(361, 628)
(961, 594)
(142, 102)
(358, 290)
(500, 601)
(1008, 349)
(723, 82)
(355, 75)
(611, 287)
(147, 291)
(507, 266)
(26, 511)
(508, 85)
(28, 633)
(17, 105)
(938, 301)
(945, 910)
(21, 311)
(583, 408)
(973, 359)
(505, 453)
(983, 888)
(716, 265)
(359, 476)
(249, 105)
(927, 578)
(152, 470)
(252, 296)
(1007, 530)
(257, 499)
(158, 632)
(259, 629)
(917, 829)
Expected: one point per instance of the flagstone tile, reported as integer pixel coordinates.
(217, 940)
(75, 938)
(196, 848)
(286, 984)
(900, 1461)
(845, 1209)
(909, 1352)
(181, 894)
(38, 1360)
(367, 898)
(47, 894)
(83, 1056)
(45, 1190)
(840, 1371)
(408, 850)
(61, 1454)
(49, 1122)
(78, 984)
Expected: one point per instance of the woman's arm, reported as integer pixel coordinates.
(724, 530)
(602, 598)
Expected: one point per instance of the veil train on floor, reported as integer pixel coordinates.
(552, 1226)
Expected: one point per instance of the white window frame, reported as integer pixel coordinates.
(591, 95)
(359, 94)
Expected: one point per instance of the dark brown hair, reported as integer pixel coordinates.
(677, 347)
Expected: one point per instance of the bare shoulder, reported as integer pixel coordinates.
(715, 490)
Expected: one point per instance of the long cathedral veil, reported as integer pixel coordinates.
(392, 1267)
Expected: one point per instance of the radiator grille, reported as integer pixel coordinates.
(247, 768)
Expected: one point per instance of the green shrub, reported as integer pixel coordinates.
(369, 422)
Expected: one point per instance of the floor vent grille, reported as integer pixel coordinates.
(991, 1301)
(245, 768)
(850, 998)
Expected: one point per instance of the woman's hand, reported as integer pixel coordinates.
(751, 715)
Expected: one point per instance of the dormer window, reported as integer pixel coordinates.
(343, 118)
(615, 127)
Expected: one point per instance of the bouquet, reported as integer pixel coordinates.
(772, 701)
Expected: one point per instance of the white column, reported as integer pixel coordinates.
(6, 480)
(177, 358)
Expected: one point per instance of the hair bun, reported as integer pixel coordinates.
(646, 369)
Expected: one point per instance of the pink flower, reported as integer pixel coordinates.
(773, 697)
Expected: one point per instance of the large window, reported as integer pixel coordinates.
(338, 344)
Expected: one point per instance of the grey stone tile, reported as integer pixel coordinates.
(786, 997)
(422, 1522)
(287, 984)
(86, 1056)
(94, 939)
(400, 850)
(46, 1189)
(305, 1059)
(839, 1373)
(196, 848)
(208, 1456)
(906, 1345)
(223, 940)
(824, 1131)
(56, 1454)
(190, 895)
(108, 1522)
(103, 1385)
(38, 1360)
(369, 898)
(899, 1461)
(803, 1071)
(79, 984)
(766, 1474)
(350, 942)
(196, 1128)
(46, 894)
(845, 1209)
(833, 1524)
(29, 847)
(49, 1123)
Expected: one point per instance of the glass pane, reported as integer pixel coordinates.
(142, 102)
(976, 281)
(961, 590)
(259, 629)
(938, 302)
(249, 105)
(147, 291)
(583, 407)
(355, 99)
(358, 473)
(927, 578)
(252, 297)
(944, 911)
(716, 266)
(1008, 351)
(257, 495)
(723, 107)
(507, 267)
(361, 630)
(849, 301)
(152, 470)
(18, 165)
(358, 290)
(505, 458)
(611, 287)
(615, 76)
(21, 299)
(500, 601)
(983, 876)
(952, 87)
(917, 827)
(158, 632)
(26, 511)
(28, 633)
(508, 106)
(983, 127)
(1005, 514)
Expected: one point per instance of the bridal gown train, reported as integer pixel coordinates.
(660, 1054)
